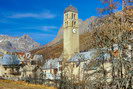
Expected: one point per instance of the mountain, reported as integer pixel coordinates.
(23, 43)
(84, 27)
(88, 29)
(55, 47)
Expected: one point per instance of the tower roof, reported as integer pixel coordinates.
(71, 9)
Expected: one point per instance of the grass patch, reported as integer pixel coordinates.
(9, 84)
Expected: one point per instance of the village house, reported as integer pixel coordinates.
(38, 60)
(81, 64)
(31, 67)
(52, 69)
(77, 63)
(94, 60)
(9, 66)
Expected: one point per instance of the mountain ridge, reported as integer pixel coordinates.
(87, 30)
(23, 43)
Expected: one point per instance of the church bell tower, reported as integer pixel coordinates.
(71, 32)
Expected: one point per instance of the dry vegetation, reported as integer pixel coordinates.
(88, 40)
(53, 51)
(8, 84)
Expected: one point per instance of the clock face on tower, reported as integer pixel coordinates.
(74, 30)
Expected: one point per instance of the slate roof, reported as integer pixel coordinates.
(38, 58)
(103, 56)
(71, 9)
(83, 56)
(9, 60)
(52, 64)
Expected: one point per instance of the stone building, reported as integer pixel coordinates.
(9, 66)
(31, 68)
(52, 69)
(71, 32)
(78, 62)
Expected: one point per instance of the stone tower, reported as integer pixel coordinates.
(71, 32)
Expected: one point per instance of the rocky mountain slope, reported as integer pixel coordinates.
(23, 43)
(84, 27)
(88, 30)
(55, 47)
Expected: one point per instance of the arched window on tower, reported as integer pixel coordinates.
(74, 23)
(72, 15)
(66, 15)
(67, 23)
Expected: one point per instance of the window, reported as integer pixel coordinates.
(50, 70)
(55, 71)
(33, 63)
(67, 23)
(72, 15)
(60, 68)
(66, 16)
(74, 23)
(5, 68)
(73, 65)
(60, 63)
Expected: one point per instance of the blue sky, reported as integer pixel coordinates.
(41, 19)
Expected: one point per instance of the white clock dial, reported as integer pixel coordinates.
(74, 30)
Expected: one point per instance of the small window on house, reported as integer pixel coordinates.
(60, 68)
(60, 63)
(55, 71)
(5, 68)
(50, 70)
(33, 63)
(73, 65)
